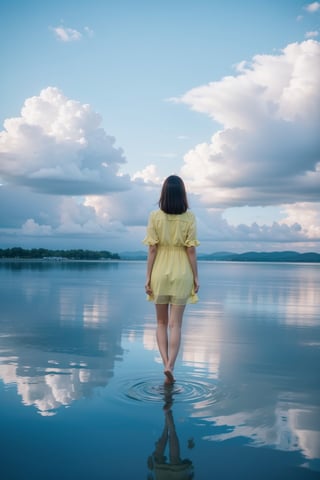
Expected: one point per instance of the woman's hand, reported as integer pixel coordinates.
(148, 288)
(196, 285)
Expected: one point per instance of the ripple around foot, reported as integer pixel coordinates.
(197, 393)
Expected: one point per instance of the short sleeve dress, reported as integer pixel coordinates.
(171, 276)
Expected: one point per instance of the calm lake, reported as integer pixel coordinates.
(81, 383)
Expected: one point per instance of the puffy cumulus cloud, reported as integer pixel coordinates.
(131, 207)
(58, 146)
(114, 222)
(313, 7)
(216, 233)
(35, 219)
(267, 151)
(118, 222)
(307, 215)
(30, 227)
(148, 175)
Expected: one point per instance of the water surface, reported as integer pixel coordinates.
(81, 383)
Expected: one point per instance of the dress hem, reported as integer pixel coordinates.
(191, 300)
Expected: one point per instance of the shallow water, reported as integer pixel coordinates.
(81, 383)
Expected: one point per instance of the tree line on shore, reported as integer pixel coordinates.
(79, 254)
(44, 253)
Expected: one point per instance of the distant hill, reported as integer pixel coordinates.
(285, 256)
(138, 255)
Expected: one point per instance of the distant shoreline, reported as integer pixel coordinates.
(53, 260)
(261, 257)
(18, 254)
(132, 260)
(56, 255)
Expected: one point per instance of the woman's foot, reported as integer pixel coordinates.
(169, 375)
(168, 382)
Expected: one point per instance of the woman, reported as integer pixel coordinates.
(172, 273)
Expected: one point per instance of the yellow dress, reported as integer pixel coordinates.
(171, 277)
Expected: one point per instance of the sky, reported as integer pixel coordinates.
(101, 100)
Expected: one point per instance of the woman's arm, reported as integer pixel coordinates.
(152, 253)
(192, 256)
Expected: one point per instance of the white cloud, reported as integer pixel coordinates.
(58, 146)
(312, 34)
(267, 152)
(213, 229)
(131, 208)
(67, 34)
(149, 175)
(30, 227)
(313, 7)
(115, 221)
(307, 215)
(118, 222)
(272, 87)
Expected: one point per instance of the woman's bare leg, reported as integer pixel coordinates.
(175, 324)
(162, 331)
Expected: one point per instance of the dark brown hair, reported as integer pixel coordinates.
(173, 198)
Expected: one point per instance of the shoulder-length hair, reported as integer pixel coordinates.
(173, 198)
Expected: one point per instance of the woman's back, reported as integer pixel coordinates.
(171, 230)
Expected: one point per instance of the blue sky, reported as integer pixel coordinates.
(101, 100)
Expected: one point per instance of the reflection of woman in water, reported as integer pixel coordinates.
(172, 275)
(175, 468)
